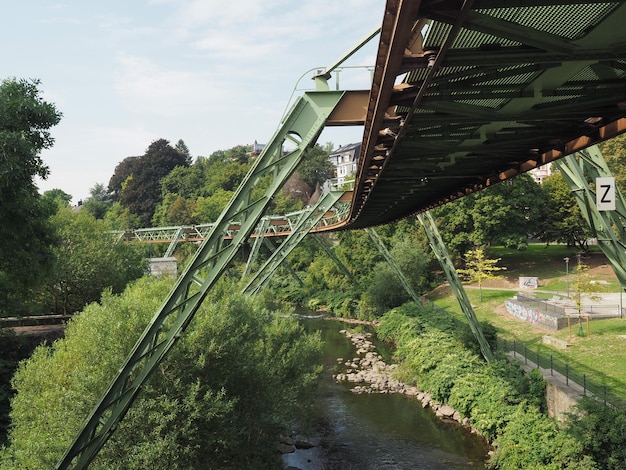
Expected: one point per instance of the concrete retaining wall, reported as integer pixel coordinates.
(560, 399)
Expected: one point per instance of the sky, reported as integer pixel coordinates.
(215, 74)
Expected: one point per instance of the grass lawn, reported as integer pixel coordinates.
(601, 355)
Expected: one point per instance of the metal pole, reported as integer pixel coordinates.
(567, 274)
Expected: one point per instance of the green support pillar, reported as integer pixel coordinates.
(342, 267)
(298, 232)
(172, 246)
(258, 239)
(300, 129)
(609, 227)
(441, 252)
(285, 264)
(401, 277)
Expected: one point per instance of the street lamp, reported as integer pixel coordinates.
(567, 274)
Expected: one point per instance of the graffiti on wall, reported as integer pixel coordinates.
(524, 313)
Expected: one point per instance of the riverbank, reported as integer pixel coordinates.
(371, 374)
(375, 424)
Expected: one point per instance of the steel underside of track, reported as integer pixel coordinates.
(491, 89)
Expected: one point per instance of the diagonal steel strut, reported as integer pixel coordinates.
(298, 232)
(301, 128)
(441, 252)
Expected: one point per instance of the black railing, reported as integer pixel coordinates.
(590, 385)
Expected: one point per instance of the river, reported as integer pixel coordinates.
(378, 431)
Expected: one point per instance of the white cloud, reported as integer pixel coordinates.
(146, 86)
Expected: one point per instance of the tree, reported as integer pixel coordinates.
(123, 171)
(141, 190)
(239, 377)
(25, 233)
(384, 290)
(583, 288)
(175, 210)
(57, 197)
(563, 221)
(505, 213)
(184, 181)
(315, 167)
(209, 208)
(182, 148)
(479, 269)
(98, 202)
(614, 152)
(601, 430)
(87, 261)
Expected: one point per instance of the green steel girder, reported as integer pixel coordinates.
(392, 263)
(312, 216)
(301, 127)
(260, 235)
(285, 264)
(609, 227)
(441, 252)
(331, 254)
(172, 246)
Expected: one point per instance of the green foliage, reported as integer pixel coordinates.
(137, 180)
(184, 181)
(602, 431)
(98, 202)
(236, 379)
(225, 175)
(614, 154)
(564, 222)
(13, 349)
(174, 210)
(384, 289)
(478, 268)
(120, 218)
(532, 441)
(315, 167)
(502, 403)
(87, 261)
(209, 208)
(25, 235)
(504, 213)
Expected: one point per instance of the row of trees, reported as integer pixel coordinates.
(166, 186)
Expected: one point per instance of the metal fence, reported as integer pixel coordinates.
(591, 386)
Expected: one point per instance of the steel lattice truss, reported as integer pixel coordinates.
(489, 89)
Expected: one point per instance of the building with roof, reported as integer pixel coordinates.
(345, 159)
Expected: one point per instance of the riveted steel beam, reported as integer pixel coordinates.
(441, 252)
(396, 269)
(609, 227)
(298, 232)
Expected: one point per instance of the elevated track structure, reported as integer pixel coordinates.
(465, 94)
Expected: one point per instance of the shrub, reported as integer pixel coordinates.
(233, 382)
(602, 432)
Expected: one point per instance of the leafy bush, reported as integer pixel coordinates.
(602, 432)
(233, 382)
(501, 402)
(530, 440)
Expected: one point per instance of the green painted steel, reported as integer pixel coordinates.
(311, 217)
(300, 128)
(609, 227)
(260, 235)
(441, 252)
(331, 254)
(285, 264)
(172, 246)
(401, 277)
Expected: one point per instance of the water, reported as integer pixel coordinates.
(379, 431)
